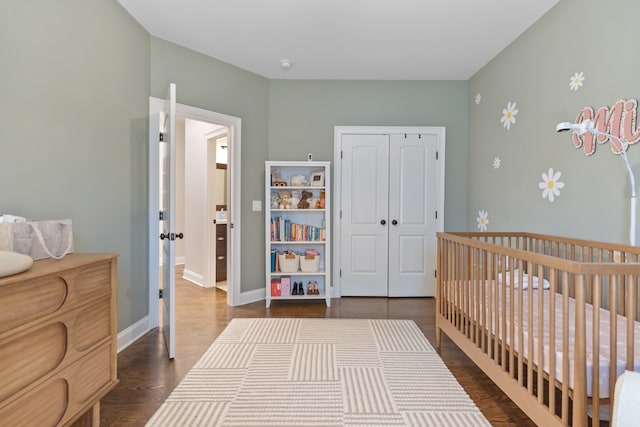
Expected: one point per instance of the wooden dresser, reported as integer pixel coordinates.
(58, 341)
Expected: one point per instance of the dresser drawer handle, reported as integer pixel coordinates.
(221, 257)
(220, 238)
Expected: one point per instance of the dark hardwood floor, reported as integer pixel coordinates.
(147, 376)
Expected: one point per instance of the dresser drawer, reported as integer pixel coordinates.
(63, 396)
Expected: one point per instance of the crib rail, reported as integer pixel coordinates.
(553, 321)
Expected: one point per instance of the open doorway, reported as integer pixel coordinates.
(217, 178)
(215, 125)
(202, 210)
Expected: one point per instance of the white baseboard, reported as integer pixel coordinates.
(252, 296)
(133, 333)
(196, 278)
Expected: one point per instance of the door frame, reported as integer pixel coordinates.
(440, 131)
(234, 226)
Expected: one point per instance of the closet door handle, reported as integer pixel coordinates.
(394, 222)
(383, 222)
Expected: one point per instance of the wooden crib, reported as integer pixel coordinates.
(542, 316)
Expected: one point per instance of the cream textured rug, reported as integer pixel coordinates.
(319, 372)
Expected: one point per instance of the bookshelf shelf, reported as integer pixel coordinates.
(297, 229)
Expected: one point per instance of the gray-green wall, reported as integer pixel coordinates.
(590, 36)
(303, 113)
(74, 87)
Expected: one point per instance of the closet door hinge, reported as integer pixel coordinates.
(340, 272)
(161, 137)
(340, 153)
(161, 216)
(435, 273)
(436, 214)
(340, 213)
(436, 155)
(160, 293)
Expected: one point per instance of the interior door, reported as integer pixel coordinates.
(412, 210)
(168, 203)
(364, 210)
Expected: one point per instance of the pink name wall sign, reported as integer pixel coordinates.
(619, 120)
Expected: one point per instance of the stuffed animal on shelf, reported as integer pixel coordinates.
(304, 200)
(295, 199)
(298, 181)
(275, 200)
(314, 202)
(285, 199)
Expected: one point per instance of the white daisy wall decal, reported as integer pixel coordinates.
(483, 220)
(496, 163)
(576, 81)
(509, 115)
(478, 98)
(550, 185)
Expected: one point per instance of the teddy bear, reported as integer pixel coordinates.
(304, 200)
(285, 199)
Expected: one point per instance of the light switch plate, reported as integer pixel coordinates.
(257, 205)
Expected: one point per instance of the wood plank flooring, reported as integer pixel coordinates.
(147, 376)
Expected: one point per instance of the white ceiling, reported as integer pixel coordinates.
(343, 39)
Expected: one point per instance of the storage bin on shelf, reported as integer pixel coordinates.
(289, 263)
(309, 263)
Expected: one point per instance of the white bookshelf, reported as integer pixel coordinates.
(297, 229)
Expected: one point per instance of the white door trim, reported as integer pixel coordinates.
(337, 180)
(234, 278)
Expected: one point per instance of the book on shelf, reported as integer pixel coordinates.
(276, 287)
(274, 255)
(285, 286)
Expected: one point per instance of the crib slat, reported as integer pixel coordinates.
(632, 302)
(553, 274)
(503, 308)
(512, 325)
(529, 331)
(613, 332)
(595, 384)
(565, 349)
(521, 360)
(541, 340)
(580, 358)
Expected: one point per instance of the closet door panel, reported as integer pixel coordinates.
(364, 206)
(412, 207)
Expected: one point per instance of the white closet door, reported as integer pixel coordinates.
(364, 206)
(412, 210)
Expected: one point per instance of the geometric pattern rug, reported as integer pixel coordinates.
(319, 372)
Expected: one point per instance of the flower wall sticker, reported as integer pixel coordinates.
(496, 162)
(550, 185)
(478, 98)
(483, 220)
(576, 81)
(509, 115)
